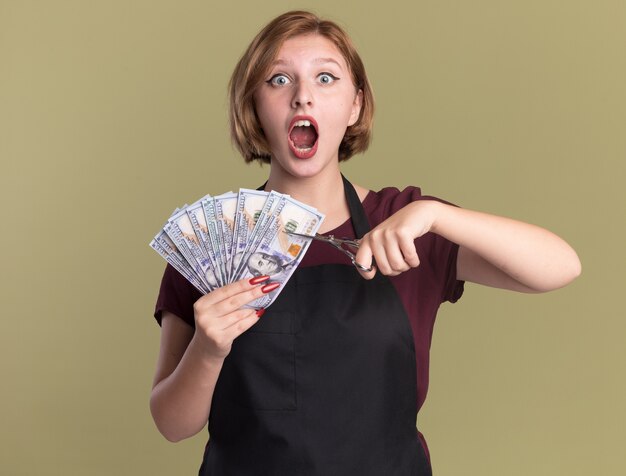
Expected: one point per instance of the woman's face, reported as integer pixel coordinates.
(306, 104)
(262, 264)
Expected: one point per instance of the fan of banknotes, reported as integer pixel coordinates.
(221, 239)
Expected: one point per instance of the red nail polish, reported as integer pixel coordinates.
(268, 288)
(258, 280)
(260, 312)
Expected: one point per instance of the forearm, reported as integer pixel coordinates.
(180, 403)
(536, 258)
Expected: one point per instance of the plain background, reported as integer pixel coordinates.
(113, 113)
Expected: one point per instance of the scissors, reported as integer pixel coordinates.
(342, 244)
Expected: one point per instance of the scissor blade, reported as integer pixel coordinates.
(301, 234)
(317, 236)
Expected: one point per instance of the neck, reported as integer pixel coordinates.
(323, 191)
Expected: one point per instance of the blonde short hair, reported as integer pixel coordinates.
(254, 65)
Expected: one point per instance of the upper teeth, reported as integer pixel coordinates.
(302, 124)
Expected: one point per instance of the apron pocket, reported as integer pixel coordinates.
(259, 372)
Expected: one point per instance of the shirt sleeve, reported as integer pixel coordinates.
(439, 252)
(443, 255)
(176, 295)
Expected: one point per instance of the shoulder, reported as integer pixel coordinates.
(380, 205)
(383, 203)
(176, 295)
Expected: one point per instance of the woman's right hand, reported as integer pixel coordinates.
(190, 361)
(220, 318)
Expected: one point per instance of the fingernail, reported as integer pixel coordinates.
(258, 280)
(268, 288)
(260, 312)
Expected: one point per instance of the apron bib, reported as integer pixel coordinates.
(324, 384)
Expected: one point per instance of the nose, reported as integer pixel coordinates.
(302, 96)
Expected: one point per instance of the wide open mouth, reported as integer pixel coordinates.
(303, 136)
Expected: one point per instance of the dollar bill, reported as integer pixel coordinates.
(225, 211)
(220, 239)
(180, 230)
(250, 206)
(278, 253)
(214, 247)
(273, 206)
(201, 229)
(163, 245)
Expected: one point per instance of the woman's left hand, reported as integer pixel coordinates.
(391, 245)
(494, 251)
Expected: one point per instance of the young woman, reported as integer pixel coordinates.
(330, 379)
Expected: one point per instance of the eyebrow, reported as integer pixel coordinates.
(316, 60)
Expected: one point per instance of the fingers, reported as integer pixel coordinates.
(241, 324)
(365, 258)
(232, 296)
(235, 317)
(393, 251)
(218, 333)
(220, 316)
(409, 253)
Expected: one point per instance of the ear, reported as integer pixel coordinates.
(356, 108)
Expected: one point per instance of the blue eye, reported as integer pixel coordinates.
(279, 80)
(327, 78)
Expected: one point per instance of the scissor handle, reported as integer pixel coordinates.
(339, 243)
(360, 266)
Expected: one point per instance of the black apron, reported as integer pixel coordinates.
(324, 384)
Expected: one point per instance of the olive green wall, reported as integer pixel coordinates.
(112, 113)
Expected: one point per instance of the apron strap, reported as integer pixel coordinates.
(357, 213)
